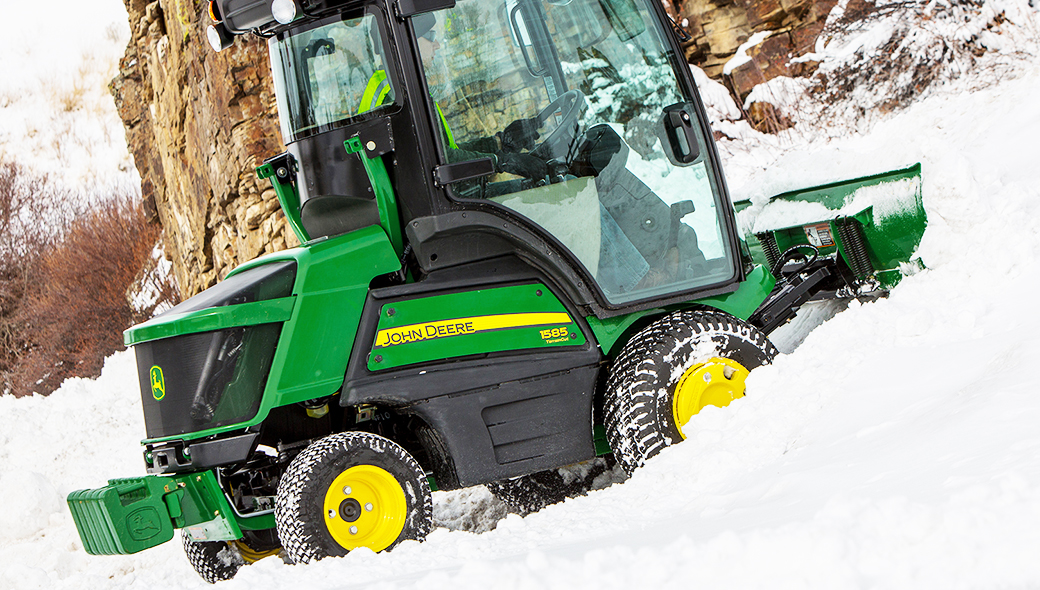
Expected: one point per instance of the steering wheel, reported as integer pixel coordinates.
(571, 106)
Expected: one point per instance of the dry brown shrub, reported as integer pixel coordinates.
(78, 307)
(64, 279)
(33, 216)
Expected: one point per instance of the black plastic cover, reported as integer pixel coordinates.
(270, 281)
(175, 456)
(334, 215)
(199, 381)
(463, 171)
(240, 16)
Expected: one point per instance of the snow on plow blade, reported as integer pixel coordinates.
(134, 514)
(873, 223)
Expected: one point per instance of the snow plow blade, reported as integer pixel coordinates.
(872, 224)
(134, 514)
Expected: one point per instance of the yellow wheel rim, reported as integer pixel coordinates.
(365, 507)
(715, 382)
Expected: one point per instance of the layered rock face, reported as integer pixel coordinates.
(198, 123)
(719, 27)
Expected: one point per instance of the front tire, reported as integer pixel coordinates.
(217, 561)
(669, 371)
(214, 561)
(349, 490)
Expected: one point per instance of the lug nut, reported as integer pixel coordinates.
(347, 490)
(332, 514)
(369, 507)
(707, 377)
(353, 530)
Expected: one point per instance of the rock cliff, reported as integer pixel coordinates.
(198, 122)
(718, 28)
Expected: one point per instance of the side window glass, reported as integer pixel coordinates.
(330, 74)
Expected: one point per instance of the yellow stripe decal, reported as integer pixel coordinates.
(463, 326)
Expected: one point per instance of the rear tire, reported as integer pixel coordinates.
(349, 490)
(668, 371)
(214, 561)
(531, 493)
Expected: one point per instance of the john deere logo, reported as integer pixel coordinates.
(143, 524)
(158, 383)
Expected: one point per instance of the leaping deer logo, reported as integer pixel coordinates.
(158, 383)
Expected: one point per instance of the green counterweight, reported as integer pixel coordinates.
(133, 514)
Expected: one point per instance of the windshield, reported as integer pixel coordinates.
(329, 74)
(593, 138)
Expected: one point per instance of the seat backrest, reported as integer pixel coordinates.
(333, 215)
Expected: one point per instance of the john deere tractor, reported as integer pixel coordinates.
(520, 267)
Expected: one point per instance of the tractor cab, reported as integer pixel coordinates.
(574, 124)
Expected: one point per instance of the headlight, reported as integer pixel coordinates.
(219, 37)
(283, 11)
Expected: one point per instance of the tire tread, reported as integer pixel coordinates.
(633, 406)
(301, 539)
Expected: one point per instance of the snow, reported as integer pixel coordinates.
(887, 199)
(741, 56)
(870, 66)
(56, 114)
(780, 91)
(716, 97)
(893, 446)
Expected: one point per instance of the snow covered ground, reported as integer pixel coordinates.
(896, 447)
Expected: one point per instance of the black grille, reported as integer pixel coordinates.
(207, 380)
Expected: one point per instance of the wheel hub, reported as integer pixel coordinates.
(350, 510)
(365, 507)
(715, 382)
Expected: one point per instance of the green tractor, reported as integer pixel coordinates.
(520, 267)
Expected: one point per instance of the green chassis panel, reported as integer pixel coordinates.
(134, 514)
(316, 339)
(612, 333)
(471, 322)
